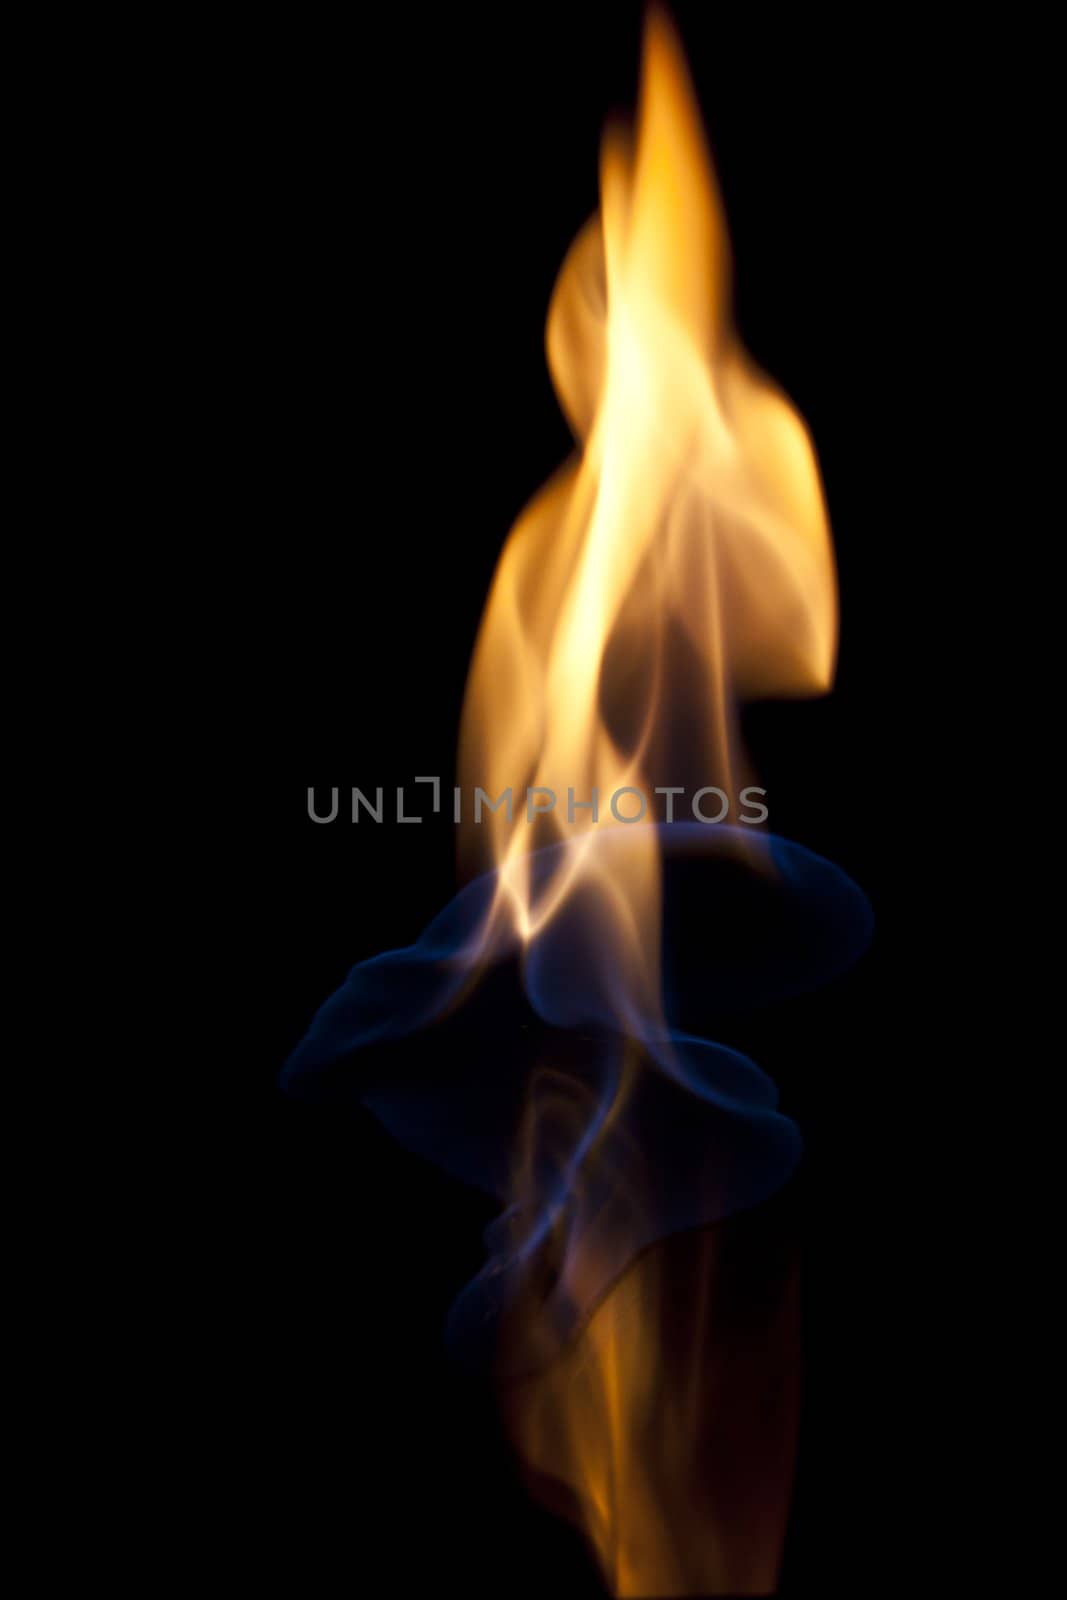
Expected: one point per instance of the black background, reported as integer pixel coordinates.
(380, 213)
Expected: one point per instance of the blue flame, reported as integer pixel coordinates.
(696, 1136)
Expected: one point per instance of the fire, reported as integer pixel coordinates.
(678, 564)
(639, 1300)
(682, 560)
(672, 1422)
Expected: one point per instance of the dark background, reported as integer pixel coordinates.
(380, 215)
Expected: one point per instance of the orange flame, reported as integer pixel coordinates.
(668, 1430)
(680, 562)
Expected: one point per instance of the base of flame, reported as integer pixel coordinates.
(667, 1430)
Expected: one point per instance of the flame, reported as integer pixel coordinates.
(679, 563)
(672, 1422)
